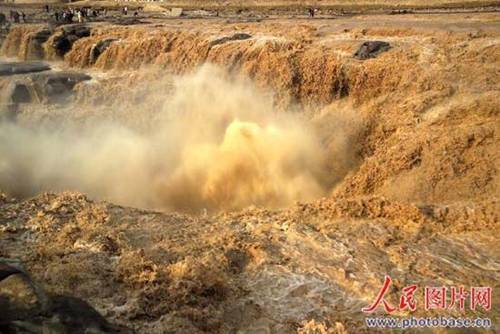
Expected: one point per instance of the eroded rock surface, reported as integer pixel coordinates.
(12, 68)
(66, 35)
(371, 49)
(46, 87)
(26, 308)
(235, 37)
(98, 49)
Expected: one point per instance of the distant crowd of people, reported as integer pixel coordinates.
(136, 12)
(82, 14)
(67, 15)
(17, 16)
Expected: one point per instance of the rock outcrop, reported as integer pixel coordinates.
(12, 68)
(62, 41)
(38, 87)
(98, 49)
(26, 308)
(371, 49)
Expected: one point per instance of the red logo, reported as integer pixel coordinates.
(434, 298)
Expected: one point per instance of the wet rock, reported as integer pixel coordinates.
(77, 30)
(127, 21)
(400, 11)
(45, 87)
(57, 86)
(77, 316)
(26, 308)
(7, 270)
(11, 68)
(17, 92)
(20, 297)
(69, 34)
(21, 88)
(371, 49)
(61, 45)
(12, 95)
(98, 49)
(235, 37)
(34, 49)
